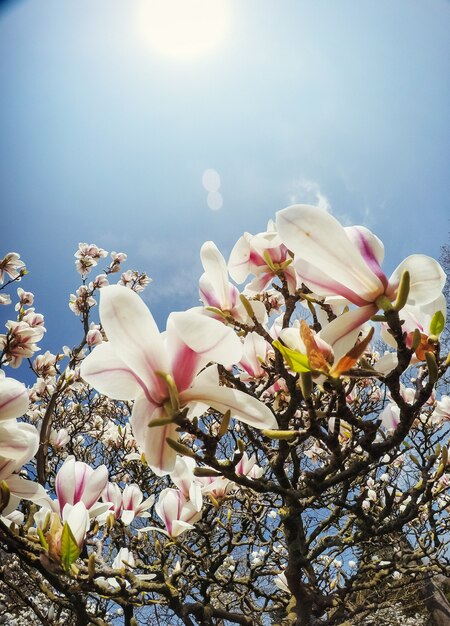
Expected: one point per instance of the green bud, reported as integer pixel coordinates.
(416, 339)
(180, 448)
(5, 495)
(224, 424)
(403, 291)
(247, 306)
(285, 435)
(306, 384)
(162, 421)
(91, 566)
(205, 472)
(433, 372)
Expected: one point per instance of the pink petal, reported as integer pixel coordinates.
(242, 406)
(65, 483)
(168, 507)
(131, 497)
(370, 247)
(194, 340)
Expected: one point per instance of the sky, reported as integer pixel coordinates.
(107, 129)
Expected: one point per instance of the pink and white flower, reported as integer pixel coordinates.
(20, 341)
(158, 371)
(78, 482)
(12, 266)
(264, 255)
(346, 262)
(19, 443)
(177, 513)
(133, 504)
(248, 467)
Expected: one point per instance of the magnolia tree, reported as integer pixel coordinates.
(258, 462)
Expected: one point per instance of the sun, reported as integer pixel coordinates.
(184, 29)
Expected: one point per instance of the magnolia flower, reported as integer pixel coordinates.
(217, 291)
(18, 442)
(78, 482)
(59, 438)
(5, 299)
(11, 265)
(82, 301)
(99, 281)
(45, 364)
(441, 412)
(419, 318)
(177, 513)
(20, 342)
(256, 352)
(87, 257)
(26, 298)
(218, 487)
(183, 477)
(346, 262)
(124, 559)
(390, 417)
(248, 467)
(158, 371)
(133, 504)
(263, 255)
(94, 335)
(134, 280)
(113, 495)
(77, 517)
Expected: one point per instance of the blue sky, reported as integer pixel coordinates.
(104, 140)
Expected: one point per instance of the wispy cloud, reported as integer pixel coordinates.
(308, 192)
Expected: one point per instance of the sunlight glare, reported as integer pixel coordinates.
(184, 29)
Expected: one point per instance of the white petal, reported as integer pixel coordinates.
(426, 275)
(28, 490)
(95, 484)
(152, 441)
(343, 331)
(106, 372)
(127, 517)
(14, 400)
(386, 363)
(239, 262)
(216, 271)
(18, 441)
(133, 333)
(318, 238)
(242, 406)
